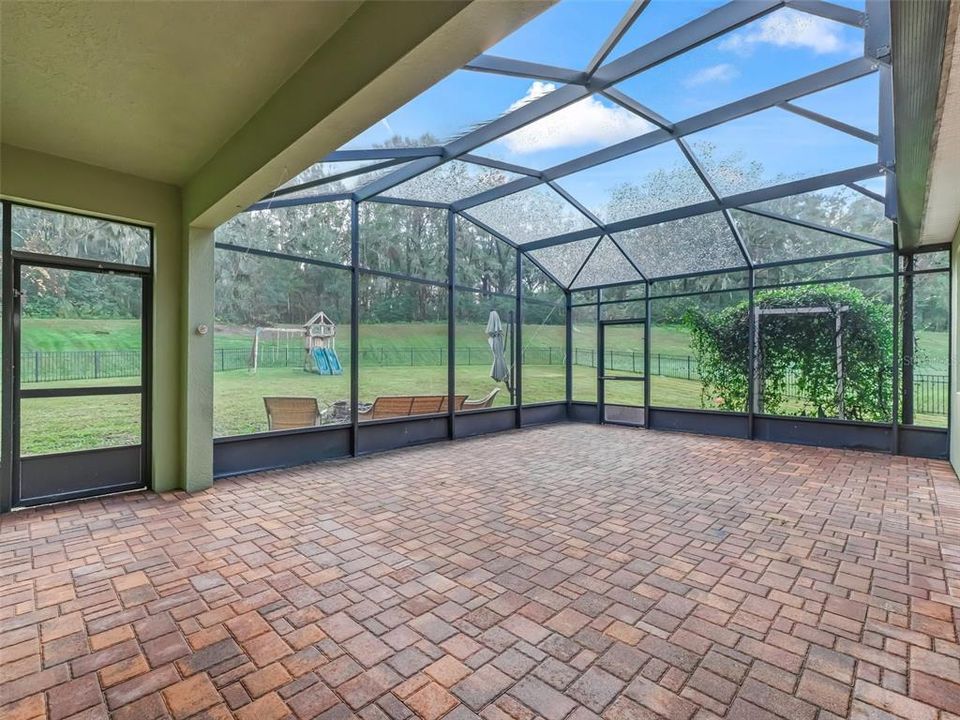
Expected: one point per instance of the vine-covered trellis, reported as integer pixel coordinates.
(836, 342)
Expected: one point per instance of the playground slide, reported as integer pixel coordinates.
(335, 367)
(320, 361)
(327, 362)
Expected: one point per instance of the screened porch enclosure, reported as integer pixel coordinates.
(682, 220)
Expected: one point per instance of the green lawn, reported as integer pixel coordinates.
(238, 394)
(78, 423)
(56, 335)
(62, 424)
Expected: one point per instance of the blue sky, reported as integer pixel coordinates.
(777, 48)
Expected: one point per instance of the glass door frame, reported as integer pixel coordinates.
(11, 485)
(603, 377)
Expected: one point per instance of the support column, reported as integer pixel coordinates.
(647, 323)
(754, 387)
(451, 324)
(908, 341)
(6, 381)
(568, 360)
(954, 418)
(354, 328)
(895, 365)
(196, 408)
(518, 347)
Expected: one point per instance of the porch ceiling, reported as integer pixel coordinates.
(151, 89)
(927, 106)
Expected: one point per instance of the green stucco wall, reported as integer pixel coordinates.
(196, 411)
(48, 180)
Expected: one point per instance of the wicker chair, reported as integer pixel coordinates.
(484, 402)
(285, 413)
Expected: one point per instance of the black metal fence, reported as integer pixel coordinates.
(225, 359)
(931, 392)
(43, 367)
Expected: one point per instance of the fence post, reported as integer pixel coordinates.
(688, 367)
(36, 366)
(96, 364)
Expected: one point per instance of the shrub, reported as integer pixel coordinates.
(801, 346)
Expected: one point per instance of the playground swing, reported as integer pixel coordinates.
(272, 347)
(318, 335)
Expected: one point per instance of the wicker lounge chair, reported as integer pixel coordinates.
(285, 413)
(484, 402)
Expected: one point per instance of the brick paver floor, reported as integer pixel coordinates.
(564, 573)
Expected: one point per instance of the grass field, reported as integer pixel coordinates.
(62, 424)
(55, 335)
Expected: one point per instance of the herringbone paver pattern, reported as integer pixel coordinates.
(564, 573)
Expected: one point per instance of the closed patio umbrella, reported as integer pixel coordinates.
(499, 371)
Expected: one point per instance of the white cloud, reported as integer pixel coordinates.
(722, 73)
(586, 122)
(537, 90)
(792, 29)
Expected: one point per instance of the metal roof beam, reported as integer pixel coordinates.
(698, 31)
(822, 80)
(400, 153)
(487, 229)
(410, 202)
(583, 264)
(830, 122)
(830, 11)
(629, 17)
(627, 102)
(794, 187)
(331, 178)
(815, 226)
(523, 69)
(865, 192)
(702, 174)
(276, 203)
(499, 236)
(577, 204)
(525, 115)
(769, 98)
(599, 223)
(630, 260)
(500, 165)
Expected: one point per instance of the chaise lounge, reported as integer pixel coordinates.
(389, 406)
(287, 413)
